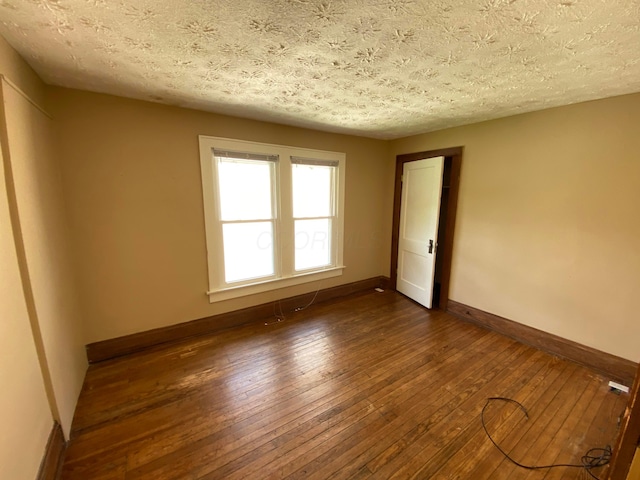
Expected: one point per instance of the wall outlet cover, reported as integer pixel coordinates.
(619, 386)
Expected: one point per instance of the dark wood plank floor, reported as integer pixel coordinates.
(370, 386)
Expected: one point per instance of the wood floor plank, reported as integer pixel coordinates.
(320, 466)
(516, 442)
(369, 386)
(128, 428)
(434, 445)
(549, 453)
(342, 462)
(486, 464)
(330, 386)
(464, 460)
(576, 445)
(603, 428)
(543, 426)
(357, 397)
(237, 370)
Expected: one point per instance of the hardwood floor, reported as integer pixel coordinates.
(370, 386)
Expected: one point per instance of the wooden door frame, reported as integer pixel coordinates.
(629, 436)
(453, 155)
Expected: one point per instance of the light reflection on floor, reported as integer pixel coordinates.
(308, 352)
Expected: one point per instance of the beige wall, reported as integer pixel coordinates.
(43, 229)
(46, 284)
(24, 411)
(14, 68)
(548, 225)
(131, 173)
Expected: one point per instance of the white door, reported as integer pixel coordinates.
(419, 215)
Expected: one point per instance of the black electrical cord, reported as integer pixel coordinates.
(595, 457)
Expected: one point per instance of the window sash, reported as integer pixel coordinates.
(273, 190)
(333, 187)
(283, 220)
(310, 243)
(230, 267)
(302, 254)
(313, 161)
(227, 278)
(219, 153)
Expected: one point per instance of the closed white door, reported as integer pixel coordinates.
(419, 216)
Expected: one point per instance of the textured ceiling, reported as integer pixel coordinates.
(379, 68)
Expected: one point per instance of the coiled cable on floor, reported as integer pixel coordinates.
(595, 457)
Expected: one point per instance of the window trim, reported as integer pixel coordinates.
(286, 275)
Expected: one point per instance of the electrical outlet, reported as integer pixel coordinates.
(619, 387)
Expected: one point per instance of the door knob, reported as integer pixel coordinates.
(430, 246)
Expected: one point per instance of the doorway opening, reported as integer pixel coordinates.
(446, 225)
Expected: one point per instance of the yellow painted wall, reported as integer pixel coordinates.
(43, 225)
(32, 189)
(25, 413)
(548, 223)
(24, 410)
(20, 73)
(131, 173)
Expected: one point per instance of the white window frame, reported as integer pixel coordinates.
(285, 274)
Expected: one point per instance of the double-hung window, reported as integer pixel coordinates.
(314, 211)
(247, 216)
(273, 215)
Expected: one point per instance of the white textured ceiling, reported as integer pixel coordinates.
(379, 68)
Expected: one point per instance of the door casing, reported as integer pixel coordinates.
(453, 160)
(629, 437)
(419, 221)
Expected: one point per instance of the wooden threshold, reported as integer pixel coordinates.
(116, 347)
(51, 465)
(616, 368)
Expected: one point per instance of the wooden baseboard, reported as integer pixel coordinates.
(51, 465)
(615, 368)
(116, 347)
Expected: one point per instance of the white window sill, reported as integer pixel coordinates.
(272, 284)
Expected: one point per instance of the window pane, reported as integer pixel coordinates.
(313, 243)
(248, 250)
(245, 189)
(312, 190)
